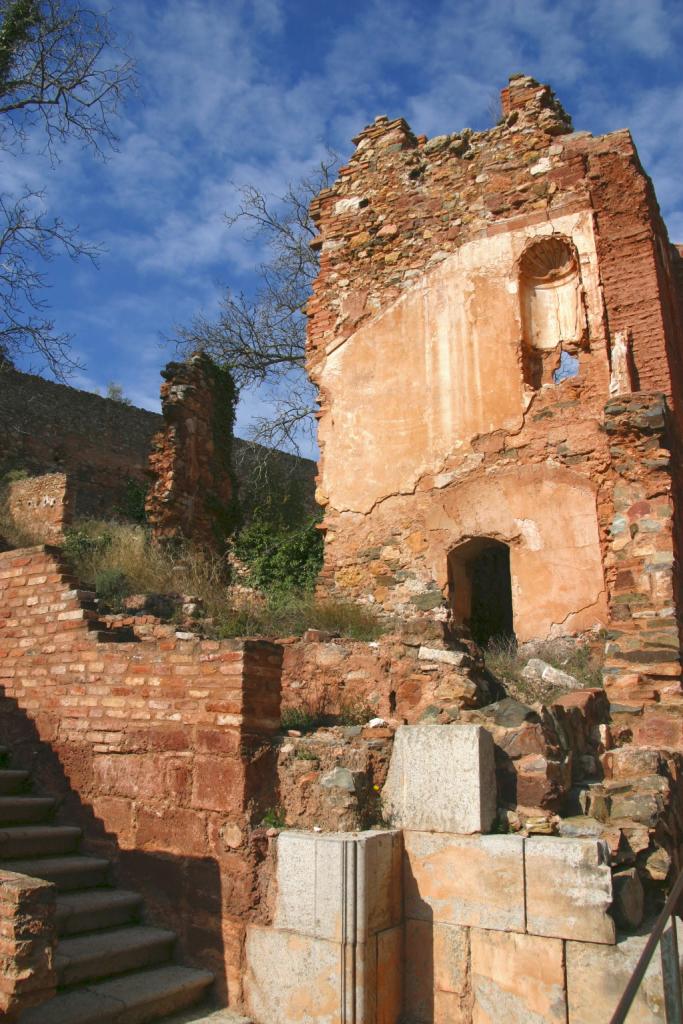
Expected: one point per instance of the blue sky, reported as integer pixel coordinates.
(236, 92)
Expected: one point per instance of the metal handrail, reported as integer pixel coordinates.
(671, 973)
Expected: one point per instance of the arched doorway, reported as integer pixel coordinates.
(480, 588)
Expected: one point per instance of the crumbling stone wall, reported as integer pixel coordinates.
(158, 748)
(102, 446)
(643, 652)
(193, 493)
(480, 297)
(41, 505)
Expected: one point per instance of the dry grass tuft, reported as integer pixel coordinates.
(505, 660)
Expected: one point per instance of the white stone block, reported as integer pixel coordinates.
(441, 779)
(340, 886)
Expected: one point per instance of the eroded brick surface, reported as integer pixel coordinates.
(193, 492)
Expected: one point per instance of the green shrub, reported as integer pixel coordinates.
(14, 474)
(355, 713)
(274, 818)
(306, 754)
(132, 507)
(280, 558)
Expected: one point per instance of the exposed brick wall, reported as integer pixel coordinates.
(159, 748)
(635, 263)
(28, 935)
(193, 492)
(41, 505)
(643, 653)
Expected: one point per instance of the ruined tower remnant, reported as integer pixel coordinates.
(193, 494)
(496, 333)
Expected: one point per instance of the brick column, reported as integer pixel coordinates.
(28, 936)
(643, 653)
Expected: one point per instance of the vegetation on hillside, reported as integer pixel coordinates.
(120, 559)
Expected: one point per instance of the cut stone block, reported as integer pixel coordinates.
(341, 886)
(568, 889)
(437, 973)
(441, 779)
(297, 978)
(465, 880)
(518, 979)
(598, 974)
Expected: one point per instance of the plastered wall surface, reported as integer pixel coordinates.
(439, 367)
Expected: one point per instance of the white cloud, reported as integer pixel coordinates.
(223, 101)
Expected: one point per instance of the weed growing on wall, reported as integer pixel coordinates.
(281, 558)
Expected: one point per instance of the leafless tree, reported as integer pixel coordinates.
(61, 78)
(261, 337)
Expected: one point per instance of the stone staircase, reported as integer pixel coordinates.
(111, 968)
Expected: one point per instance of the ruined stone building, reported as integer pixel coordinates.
(497, 336)
(326, 830)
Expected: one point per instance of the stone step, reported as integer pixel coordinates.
(25, 810)
(12, 780)
(94, 909)
(97, 955)
(22, 841)
(68, 873)
(136, 998)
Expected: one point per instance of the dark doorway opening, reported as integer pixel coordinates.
(480, 588)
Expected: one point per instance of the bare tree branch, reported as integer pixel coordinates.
(60, 72)
(262, 337)
(61, 78)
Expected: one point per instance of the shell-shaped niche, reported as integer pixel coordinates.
(550, 293)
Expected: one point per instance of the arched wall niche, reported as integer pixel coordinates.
(547, 517)
(552, 310)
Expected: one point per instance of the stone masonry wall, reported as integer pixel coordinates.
(159, 749)
(193, 492)
(643, 651)
(41, 505)
(98, 443)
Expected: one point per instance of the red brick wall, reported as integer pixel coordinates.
(27, 940)
(158, 748)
